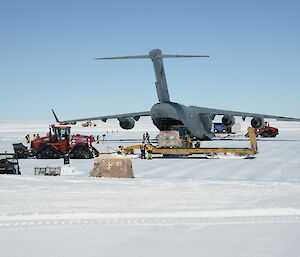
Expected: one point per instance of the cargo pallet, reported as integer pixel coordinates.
(253, 150)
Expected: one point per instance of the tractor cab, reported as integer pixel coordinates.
(59, 133)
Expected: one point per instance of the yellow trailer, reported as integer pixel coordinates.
(250, 151)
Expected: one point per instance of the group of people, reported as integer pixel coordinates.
(146, 148)
(35, 136)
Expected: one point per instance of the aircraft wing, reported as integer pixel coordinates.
(243, 114)
(134, 115)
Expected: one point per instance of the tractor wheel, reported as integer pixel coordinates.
(81, 152)
(47, 152)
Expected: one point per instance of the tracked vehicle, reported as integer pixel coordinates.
(59, 142)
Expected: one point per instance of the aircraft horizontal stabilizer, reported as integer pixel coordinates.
(149, 56)
(125, 57)
(181, 56)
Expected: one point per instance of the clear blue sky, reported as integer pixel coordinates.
(47, 50)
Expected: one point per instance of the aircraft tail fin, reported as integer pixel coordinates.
(157, 58)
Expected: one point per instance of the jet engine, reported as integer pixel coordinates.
(126, 123)
(228, 120)
(257, 122)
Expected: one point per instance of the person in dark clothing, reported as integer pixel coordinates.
(143, 150)
(197, 145)
(148, 137)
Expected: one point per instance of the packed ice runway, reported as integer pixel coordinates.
(174, 207)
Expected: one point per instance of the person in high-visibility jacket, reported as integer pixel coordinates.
(150, 152)
(27, 137)
(97, 139)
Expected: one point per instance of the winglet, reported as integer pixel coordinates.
(55, 116)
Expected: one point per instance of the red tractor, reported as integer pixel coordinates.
(266, 131)
(59, 142)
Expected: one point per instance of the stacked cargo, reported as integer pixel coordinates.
(169, 139)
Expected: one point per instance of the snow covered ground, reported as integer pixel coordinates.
(174, 207)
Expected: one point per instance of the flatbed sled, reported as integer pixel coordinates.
(246, 152)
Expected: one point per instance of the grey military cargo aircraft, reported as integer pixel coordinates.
(165, 114)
